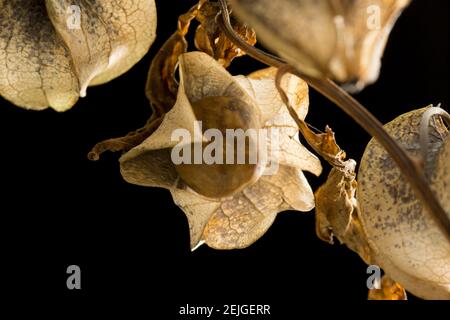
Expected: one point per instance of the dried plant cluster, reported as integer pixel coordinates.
(252, 200)
(49, 60)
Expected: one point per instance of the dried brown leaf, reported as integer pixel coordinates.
(337, 212)
(161, 88)
(210, 39)
(390, 290)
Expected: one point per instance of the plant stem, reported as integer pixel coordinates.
(410, 169)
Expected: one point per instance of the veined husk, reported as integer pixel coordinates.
(340, 39)
(52, 50)
(235, 221)
(407, 243)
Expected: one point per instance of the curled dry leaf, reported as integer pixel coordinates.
(337, 212)
(390, 290)
(210, 39)
(408, 244)
(238, 205)
(162, 88)
(342, 40)
(52, 50)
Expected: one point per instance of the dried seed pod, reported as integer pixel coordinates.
(207, 99)
(52, 50)
(407, 243)
(340, 39)
(228, 206)
(224, 113)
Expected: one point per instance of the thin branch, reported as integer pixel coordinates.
(409, 167)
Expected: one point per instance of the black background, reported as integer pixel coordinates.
(59, 209)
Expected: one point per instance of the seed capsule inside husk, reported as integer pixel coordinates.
(236, 125)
